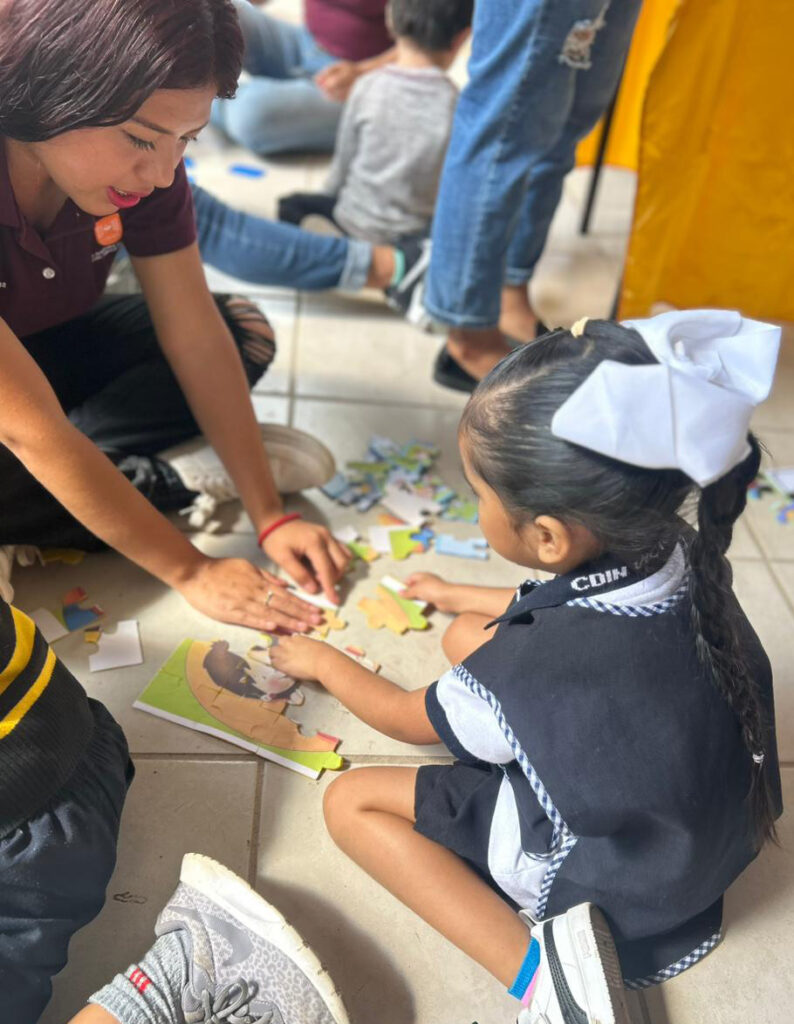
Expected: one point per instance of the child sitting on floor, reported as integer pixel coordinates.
(394, 131)
(614, 734)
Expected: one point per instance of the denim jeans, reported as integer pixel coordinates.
(273, 253)
(541, 74)
(279, 108)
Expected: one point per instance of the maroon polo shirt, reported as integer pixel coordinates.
(47, 279)
(350, 29)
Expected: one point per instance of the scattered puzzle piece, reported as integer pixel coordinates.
(92, 634)
(360, 655)
(404, 543)
(363, 551)
(408, 505)
(472, 547)
(392, 611)
(397, 587)
(70, 556)
(332, 621)
(346, 534)
(118, 649)
(75, 617)
(58, 622)
(50, 627)
(462, 511)
(386, 519)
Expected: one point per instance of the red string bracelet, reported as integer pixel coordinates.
(274, 526)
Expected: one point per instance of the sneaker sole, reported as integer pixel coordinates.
(227, 890)
(598, 962)
(299, 461)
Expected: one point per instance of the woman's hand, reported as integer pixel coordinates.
(310, 554)
(301, 657)
(236, 591)
(426, 586)
(337, 80)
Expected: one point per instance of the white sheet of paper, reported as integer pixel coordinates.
(118, 649)
(390, 583)
(51, 628)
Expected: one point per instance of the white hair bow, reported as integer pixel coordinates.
(692, 410)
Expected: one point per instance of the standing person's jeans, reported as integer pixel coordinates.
(541, 74)
(280, 108)
(270, 252)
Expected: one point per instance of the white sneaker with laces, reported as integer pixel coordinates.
(579, 979)
(298, 461)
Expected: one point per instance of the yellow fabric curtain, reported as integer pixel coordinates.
(624, 136)
(714, 214)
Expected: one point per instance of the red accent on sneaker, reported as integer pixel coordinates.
(140, 980)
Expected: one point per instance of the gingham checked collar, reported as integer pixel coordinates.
(593, 579)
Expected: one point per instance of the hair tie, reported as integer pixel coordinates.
(577, 330)
(759, 758)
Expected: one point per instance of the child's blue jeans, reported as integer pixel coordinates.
(54, 869)
(541, 74)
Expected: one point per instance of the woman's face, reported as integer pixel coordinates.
(103, 170)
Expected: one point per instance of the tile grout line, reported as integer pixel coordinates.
(256, 820)
(769, 563)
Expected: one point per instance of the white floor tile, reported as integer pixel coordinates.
(389, 966)
(748, 977)
(174, 807)
(348, 351)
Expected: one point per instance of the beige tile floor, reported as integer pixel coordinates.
(347, 368)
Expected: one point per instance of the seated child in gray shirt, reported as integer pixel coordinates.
(394, 131)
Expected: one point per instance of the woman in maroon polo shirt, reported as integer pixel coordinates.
(97, 103)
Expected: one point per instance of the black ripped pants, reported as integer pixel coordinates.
(113, 381)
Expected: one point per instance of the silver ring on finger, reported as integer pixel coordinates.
(269, 598)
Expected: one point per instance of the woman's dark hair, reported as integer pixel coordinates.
(636, 513)
(67, 64)
(430, 24)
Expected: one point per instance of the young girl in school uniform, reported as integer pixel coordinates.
(613, 727)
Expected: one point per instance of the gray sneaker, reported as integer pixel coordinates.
(247, 965)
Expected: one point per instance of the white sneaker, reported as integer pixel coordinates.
(246, 964)
(297, 459)
(24, 554)
(579, 979)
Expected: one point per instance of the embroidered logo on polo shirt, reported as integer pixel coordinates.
(100, 254)
(599, 579)
(109, 230)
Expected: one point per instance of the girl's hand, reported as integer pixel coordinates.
(300, 657)
(295, 544)
(426, 586)
(233, 590)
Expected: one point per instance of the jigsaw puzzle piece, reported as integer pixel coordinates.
(472, 547)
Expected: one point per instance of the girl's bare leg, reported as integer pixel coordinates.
(465, 635)
(94, 1015)
(370, 813)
